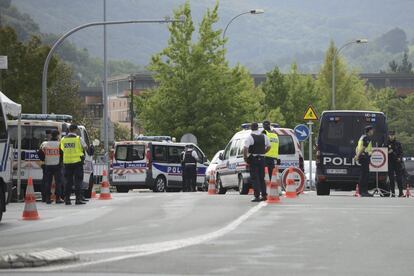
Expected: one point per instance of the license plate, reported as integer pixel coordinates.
(336, 171)
(120, 177)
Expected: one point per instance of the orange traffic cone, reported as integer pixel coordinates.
(407, 192)
(212, 184)
(357, 191)
(30, 210)
(290, 185)
(53, 190)
(273, 195)
(105, 192)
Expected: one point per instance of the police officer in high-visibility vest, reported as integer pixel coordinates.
(395, 168)
(363, 155)
(271, 157)
(53, 166)
(189, 160)
(73, 157)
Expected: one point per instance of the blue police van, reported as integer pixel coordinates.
(339, 133)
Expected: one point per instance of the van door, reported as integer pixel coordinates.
(201, 167)
(129, 164)
(174, 169)
(223, 168)
(232, 165)
(88, 164)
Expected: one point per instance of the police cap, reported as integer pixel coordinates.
(368, 128)
(254, 126)
(73, 127)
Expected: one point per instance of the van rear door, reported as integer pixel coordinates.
(129, 164)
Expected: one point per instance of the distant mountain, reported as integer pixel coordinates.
(288, 31)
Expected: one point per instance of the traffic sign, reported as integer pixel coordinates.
(301, 132)
(310, 114)
(379, 160)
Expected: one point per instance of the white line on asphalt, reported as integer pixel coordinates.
(154, 248)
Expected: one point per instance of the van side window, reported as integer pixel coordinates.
(234, 148)
(241, 148)
(227, 151)
(130, 152)
(160, 153)
(137, 152)
(174, 154)
(121, 153)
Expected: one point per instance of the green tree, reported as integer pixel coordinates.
(197, 92)
(121, 133)
(350, 89)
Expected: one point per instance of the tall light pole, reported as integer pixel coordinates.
(131, 106)
(336, 53)
(255, 11)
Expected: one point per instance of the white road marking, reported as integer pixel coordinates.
(152, 248)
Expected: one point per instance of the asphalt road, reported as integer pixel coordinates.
(198, 234)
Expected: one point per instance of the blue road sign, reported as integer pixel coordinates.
(302, 132)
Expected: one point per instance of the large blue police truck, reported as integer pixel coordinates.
(339, 133)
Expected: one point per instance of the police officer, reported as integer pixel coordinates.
(52, 162)
(363, 155)
(395, 169)
(271, 157)
(42, 158)
(255, 148)
(189, 160)
(73, 157)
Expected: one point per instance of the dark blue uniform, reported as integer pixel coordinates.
(395, 171)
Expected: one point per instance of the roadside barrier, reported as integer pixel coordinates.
(212, 184)
(30, 210)
(105, 192)
(298, 177)
(290, 185)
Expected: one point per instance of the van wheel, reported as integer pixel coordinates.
(219, 186)
(14, 194)
(322, 189)
(122, 189)
(160, 184)
(243, 188)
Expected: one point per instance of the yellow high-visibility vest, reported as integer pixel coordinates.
(360, 145)
(274, 145)
(72, 149)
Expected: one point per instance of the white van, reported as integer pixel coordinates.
(233, 172)
(34, 127)
(152, 165)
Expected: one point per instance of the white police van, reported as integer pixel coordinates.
(233, 172)
(34, 127)
(155, 165)
(7, 107)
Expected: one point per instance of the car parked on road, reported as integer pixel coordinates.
(233, 172)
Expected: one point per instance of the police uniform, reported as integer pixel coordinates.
(395, 169)
(51, 151)
(364, 159)
(257, 143)
(189, 170)
(73, 156)
(272, 155)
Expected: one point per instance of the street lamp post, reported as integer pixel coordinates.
(131, 107)
(358, 41)
(255, 11)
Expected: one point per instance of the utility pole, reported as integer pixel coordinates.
(131, 107)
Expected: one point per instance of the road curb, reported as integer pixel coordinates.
(37, 258)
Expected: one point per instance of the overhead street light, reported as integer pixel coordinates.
(336, 53)
(255, 11)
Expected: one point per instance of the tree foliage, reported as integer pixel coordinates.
(198, 92)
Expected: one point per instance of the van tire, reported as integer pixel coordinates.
(219, 186)
(323, 189)
(14, 194)
(160, 185)
(243, 187)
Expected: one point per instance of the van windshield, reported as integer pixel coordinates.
(286, 144)
(32, 136)
(130, 152)
(340, 133)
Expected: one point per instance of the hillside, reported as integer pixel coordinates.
(295, 30)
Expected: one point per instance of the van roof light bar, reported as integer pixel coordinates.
(247, 126)
(48, 117)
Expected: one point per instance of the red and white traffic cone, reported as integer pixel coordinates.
(30, 210)
(407, 191)
(212, 184)
(290, 185)
(273, 195)
(357, 191)
(105, 192)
